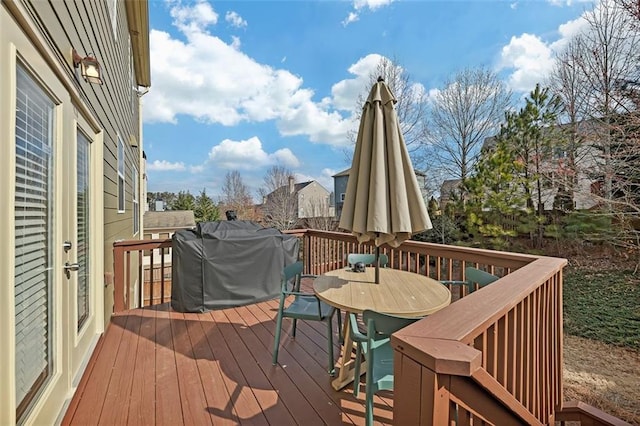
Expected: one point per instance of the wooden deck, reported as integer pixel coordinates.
(158, 366)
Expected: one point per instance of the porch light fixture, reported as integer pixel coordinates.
(89, 67)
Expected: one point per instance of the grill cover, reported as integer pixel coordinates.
(228, 263)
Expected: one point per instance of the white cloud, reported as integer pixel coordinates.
(370, 4)
(215, 82)
(235, 20)
(248, 155)
(345, 93)
(352, 17)
(530, 57)
(359, 5)
(235, 42)
(164, 165)
(195, 18)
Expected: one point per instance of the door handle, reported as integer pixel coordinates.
(71, 266)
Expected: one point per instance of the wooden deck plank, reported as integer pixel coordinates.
(167, 388)
(194, 404)
(242, 399)
(215, 391)
(316, 387)
(142, 408)
(273, 408)
(290, 394)
(162, 367)
(92, 399)
(121, 380)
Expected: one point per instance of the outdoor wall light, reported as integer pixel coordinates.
(89, 67)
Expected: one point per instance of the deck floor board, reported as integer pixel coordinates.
(158, 366)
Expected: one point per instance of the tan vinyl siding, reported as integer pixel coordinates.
(87, 27)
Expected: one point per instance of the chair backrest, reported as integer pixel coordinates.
(367, 259)
(483, 278)
(291, 272)
(380, 326)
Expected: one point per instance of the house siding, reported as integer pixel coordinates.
(112, 110)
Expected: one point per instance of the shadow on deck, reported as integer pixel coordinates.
(157, 366)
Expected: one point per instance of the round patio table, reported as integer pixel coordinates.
(398, 293)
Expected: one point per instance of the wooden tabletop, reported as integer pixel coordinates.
(398, 293)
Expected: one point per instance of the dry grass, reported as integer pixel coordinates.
(604, 376)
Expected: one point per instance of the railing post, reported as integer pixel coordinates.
(118, 278)
(306, 240)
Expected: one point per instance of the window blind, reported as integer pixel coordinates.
(83, 192)
(33, 230)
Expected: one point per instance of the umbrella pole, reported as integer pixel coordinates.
(377, 264)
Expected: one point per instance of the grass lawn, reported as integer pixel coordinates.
(603, 305)
(602, 339)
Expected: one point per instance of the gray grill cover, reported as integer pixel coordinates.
(228, 263)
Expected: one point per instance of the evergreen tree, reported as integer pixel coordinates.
(496, 205)
(205, 209)
(184, 201)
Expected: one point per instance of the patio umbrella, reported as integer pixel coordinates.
(383, 201)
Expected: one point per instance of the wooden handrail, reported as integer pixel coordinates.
(577, 411)
(515, 325)
(123, 272)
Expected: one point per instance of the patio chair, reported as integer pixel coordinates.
(367, 259)
(305, 306)
(474, 276)
(376, 347)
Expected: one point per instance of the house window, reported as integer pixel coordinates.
(34, 230)
(83, 198)
(136, 209)
(342, 197)
(120, 175)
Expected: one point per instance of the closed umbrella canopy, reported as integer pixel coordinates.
(383, 201)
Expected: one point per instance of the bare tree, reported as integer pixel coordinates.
(235, 195)
(466, 112)
(320, 217)
(278, 197)
(411, 106)
(609, 56)
(567, 81)
(632, 7)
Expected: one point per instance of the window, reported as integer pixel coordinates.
(34, 219)
(120, 175)
(83, 206)
(136, 209)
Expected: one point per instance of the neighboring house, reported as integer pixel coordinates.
(71, 168)
(556, 172)
(448, 191)
(302, 200)
(162, 224)
(340, 188)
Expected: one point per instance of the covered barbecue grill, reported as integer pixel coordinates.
(228, 263)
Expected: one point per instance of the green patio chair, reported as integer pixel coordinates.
(376, 347)
(305, 306)
(474, 276)
(367, 259)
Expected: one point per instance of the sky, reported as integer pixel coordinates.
(246, 85)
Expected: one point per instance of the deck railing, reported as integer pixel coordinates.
(494, 356)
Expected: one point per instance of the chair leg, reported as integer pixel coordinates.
(356, 370)
(369, 408)
(276, 340)
(295, 323)
(332, 367)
